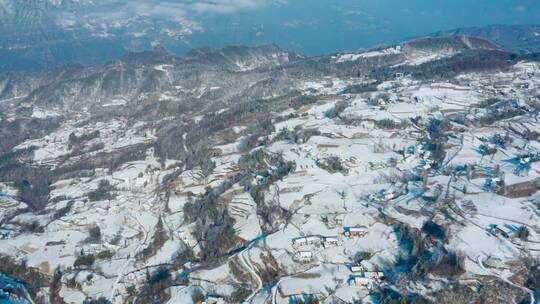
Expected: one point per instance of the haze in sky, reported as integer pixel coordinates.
(48, 33)
(322, 26)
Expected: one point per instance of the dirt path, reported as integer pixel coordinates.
(120, 273)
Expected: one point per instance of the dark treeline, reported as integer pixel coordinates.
(471, 61)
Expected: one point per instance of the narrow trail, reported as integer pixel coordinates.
(120, 273)
(247, 264)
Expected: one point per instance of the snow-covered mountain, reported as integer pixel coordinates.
(36, 35)
(404, 174)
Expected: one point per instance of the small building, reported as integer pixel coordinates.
(132, 278)
(390, 194)
(330, 242)
(304, 256)
(361, 282)
(366, 279)
(93, 248)
(213, 300)
(496, 231)
(357, 268)
(215, 152)
(110, 246)
(306, 240)
(359, 231)
(136, 184)
(377, 275)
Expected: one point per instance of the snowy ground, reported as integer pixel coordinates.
(319, 203)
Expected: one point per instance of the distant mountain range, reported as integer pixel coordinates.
(516, 38)
(253, 72)
(37, 35)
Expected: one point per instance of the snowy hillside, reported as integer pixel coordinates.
(253, 175)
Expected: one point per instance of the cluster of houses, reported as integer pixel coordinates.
(306, 256)
(314, 240)
(365, 275)
(385, 195)
(367, 279)
(419, 152)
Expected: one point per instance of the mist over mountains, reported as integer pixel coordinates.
(517, 38)
(36, 35)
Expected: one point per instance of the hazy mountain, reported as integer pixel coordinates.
(517, 38)
(37, 35)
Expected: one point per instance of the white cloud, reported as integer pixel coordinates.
(180, 11)
(138, 14)
(226, 6)
(174, 8)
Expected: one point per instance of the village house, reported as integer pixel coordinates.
(330, 242)
(101, 211)
(93, 248)
(305, 241)
(110, 246)
(357, 268)
(361, 282)
(136, 184)
(521, 84)
(496, 231)
(363, 266)
(132, 278)
(304, 256)
(366, 279)
(376, 275)
(386, 194)
(352, 232)
(213, 300)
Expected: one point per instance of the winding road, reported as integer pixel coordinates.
(531, 293)
(247, 264)
(130, 259)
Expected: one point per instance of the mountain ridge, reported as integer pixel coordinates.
(516, 38)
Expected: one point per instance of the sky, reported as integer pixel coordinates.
(310, 27)
(322, 26)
